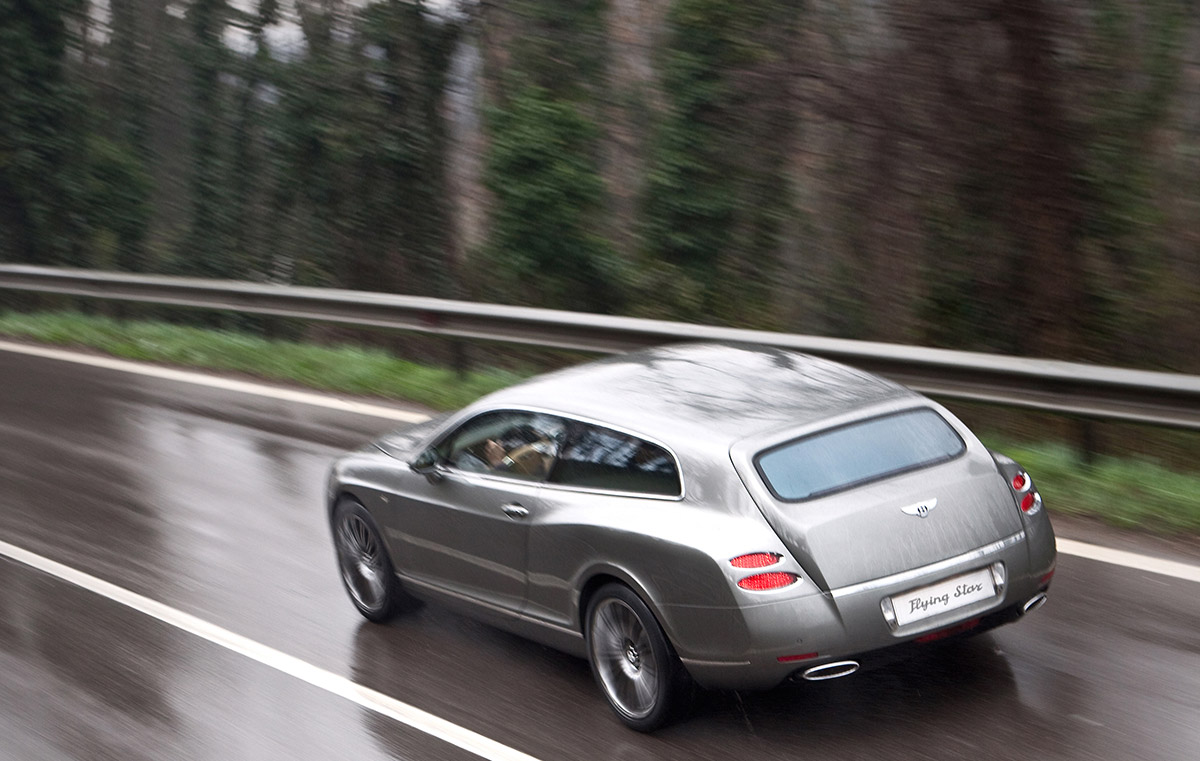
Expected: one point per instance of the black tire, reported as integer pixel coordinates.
(366, 569)
(634, 664)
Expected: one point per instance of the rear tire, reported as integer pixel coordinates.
(366, 569)
(634, 664)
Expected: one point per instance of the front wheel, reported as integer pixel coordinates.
(633, 662)
(366, 570)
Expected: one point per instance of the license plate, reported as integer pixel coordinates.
(947, 595)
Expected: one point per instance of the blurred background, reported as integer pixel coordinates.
(1019, 177)
(1016, 176)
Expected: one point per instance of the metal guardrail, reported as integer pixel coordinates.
(1072, 388)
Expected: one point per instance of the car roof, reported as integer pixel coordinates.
(704, 393)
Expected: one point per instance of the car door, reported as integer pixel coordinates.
(464, 529)
(594, 509)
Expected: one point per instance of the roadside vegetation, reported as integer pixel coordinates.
(1128, 492)
(345, 369)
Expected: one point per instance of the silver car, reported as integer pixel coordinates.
(731, 516)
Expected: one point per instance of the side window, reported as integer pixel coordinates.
(601, 458)
(505, 442)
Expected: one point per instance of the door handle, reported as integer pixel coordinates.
(514, 510)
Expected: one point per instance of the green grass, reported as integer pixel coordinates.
(347, 369)
(1126, 492)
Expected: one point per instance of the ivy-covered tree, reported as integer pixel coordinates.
(250, 169)
(717, 189)
(402, 54)
(118, 187)
(1128, 88)
(545, 245)
(42, 135)
(543, 163)
(361, 144)
(207, 247)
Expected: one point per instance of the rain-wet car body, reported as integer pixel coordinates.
(771, 515)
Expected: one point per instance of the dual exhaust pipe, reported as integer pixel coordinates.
(830, 671)
(1033, 603)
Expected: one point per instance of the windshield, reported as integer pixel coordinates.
(867, 450)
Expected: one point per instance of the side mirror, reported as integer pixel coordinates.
(428, 464)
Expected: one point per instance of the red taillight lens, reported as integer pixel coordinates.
(965, 626)
(755, 560)
(1027, 501)
(1020, 481)
(760, 582)
(800, 657)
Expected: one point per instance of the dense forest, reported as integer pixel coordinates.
(1017, 176)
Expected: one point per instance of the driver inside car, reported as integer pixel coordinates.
(519, 450)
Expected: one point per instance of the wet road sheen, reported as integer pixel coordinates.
(211, 502)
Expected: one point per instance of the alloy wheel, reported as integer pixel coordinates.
(624, 657)
(362, 562)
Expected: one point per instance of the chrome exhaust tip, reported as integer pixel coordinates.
(830, 671)
(1034, 603)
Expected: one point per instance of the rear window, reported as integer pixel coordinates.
(854, 454)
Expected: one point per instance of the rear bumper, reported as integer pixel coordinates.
(904, 650)
(788, 637)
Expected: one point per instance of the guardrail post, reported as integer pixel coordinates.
(460, 359)
(1086, 429)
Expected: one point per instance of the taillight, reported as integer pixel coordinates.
(755, 560)
(1031, 502)
(1020, 482)
(761, 582)
(1027, 494)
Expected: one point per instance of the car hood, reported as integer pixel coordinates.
(405, 443)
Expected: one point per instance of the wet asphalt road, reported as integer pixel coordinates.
(211, 502)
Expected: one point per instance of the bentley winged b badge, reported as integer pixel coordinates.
(921, 509)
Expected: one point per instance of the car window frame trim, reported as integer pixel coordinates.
(457, 422)
(490, 474)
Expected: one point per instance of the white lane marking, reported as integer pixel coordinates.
(365, 697)
(1065, 546)
(1130, 560)
(227, 384)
